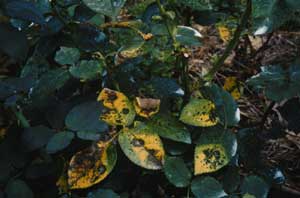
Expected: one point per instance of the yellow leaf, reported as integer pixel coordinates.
(3, 132)
(224, 33)
(209, 158)
(120, 110)
(231, 85)
(62, 184)
(91, 165)
(199, 112)
(146, 107)
(143, 147)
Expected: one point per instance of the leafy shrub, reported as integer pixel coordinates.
(90, 88)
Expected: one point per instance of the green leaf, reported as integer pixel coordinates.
(67, 55)
(268, 15)
(142, 146)
(226, 107)
(177, 172)
(277, 83)
(200, 5)
(18, 188)
(169, 127)
(87, 70)
(107, 193)
(107, 7)
(85, 117)
(36, 137)
(188, 36)
(214, 150)
(255, 186)
(231, 180)
(207, 187)
(199, 112)
(49, 83)
(13, 42)
(59, 141)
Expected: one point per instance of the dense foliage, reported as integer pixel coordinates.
(98, 98)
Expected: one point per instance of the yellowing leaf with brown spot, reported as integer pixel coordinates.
(214, 150)
(199, 112)
(120, 110)
(224, 33)
(231, 85)
(91, 165)
(146, 107)
(142, 147)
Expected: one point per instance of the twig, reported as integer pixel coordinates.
(20, 116)
(265, 116)
(232, 44)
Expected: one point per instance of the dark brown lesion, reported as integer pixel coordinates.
(213, 158)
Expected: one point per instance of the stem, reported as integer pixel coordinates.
(232, 44)
(265, 116)
(20, 116)
(166, 21)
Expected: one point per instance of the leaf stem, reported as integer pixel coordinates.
(20, 116)
(232, 44)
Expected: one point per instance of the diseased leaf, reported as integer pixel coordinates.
(214, 150)
(91, 165)
(142, 146)
(231, 85)
(226, 107)
(120, 110)
(59, 141)
(169, 127)
(224, 33)
(177, 172)
(207, 187)
(146, 107)
(199, 112)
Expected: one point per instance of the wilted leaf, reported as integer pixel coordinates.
(85, 117)
(146, 107)
(120, 110)
(207, 187)
(231, 85)
(91, 165)
(224, 33)
(67, 55)
(169, 127)
(59, 141)
(142, 146)
(254, 186)
(214, 150)
(177, 172)
(199, 112)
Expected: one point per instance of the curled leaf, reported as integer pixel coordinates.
(142, 147)
(91, 165)
(146, 107)
(199, 112)
(120, 110)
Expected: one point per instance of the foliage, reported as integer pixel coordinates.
(96, 95)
